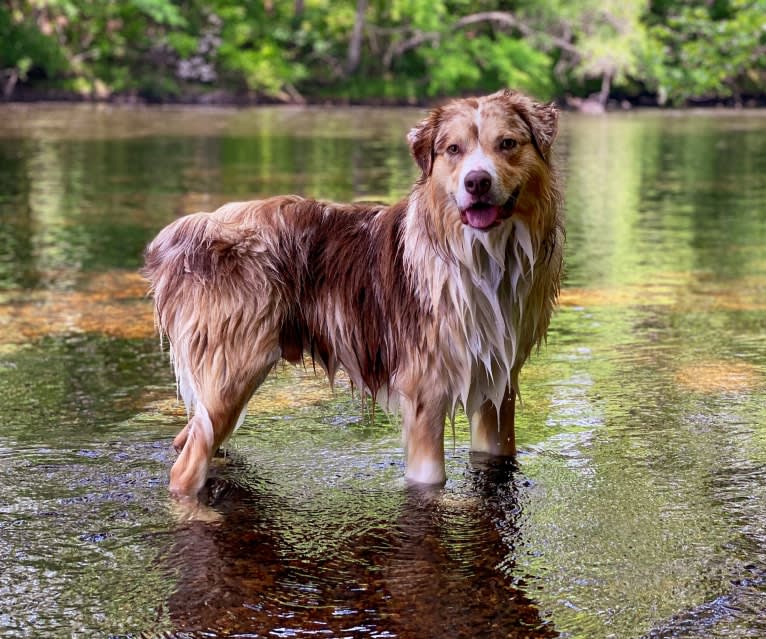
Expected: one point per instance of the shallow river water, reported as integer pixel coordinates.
(637, 507)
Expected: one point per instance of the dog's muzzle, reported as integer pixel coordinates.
(484, 216)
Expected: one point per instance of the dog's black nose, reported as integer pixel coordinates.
(477, 182)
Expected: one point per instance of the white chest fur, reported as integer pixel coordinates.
(485, 300)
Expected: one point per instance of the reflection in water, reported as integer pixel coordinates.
(633, 523)
(113, 303)
(414, 563)
(87, 189)
(639, 504)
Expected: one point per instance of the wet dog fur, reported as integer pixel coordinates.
(432, 302)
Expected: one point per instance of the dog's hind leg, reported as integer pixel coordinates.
(493, 430)
(217, 412)
(186, 388)
(180, 440)
(190, 469)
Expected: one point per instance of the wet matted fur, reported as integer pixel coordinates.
(432, 302)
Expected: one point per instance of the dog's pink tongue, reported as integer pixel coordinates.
(481, 217)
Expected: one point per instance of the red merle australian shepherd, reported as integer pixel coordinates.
(432, 301)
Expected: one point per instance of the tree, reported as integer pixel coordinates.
(27, 43)
(605, 38)
(398, 50)
(355, 44)
(706, 51)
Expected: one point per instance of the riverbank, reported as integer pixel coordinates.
(227, 97)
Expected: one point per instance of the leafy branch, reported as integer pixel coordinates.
(418, 38)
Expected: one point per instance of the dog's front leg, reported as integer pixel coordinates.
(423, 422)
(493, 430)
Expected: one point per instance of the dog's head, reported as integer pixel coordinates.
(484, 158)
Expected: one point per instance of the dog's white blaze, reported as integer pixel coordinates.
(477, 160)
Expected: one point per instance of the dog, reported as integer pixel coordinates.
(432, 302)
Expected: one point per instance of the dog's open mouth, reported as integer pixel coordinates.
(483, 215)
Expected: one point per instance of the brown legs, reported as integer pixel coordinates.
(423, 422)
(492, 431)
(215, 417)
(190, 469)
(216, 413)
(199, 440)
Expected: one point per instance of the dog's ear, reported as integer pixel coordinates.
(545, 124)
(542, 120)
(422, 138)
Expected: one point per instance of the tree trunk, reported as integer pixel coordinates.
(606, 87)
(10, 82)
(355, 45)
(298, 8)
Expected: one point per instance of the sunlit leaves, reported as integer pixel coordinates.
(676, 50)
(707, 52)
(161, 11)
(463, 63)
(24, 45)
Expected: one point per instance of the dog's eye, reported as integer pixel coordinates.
(453, 149)
(507, 144)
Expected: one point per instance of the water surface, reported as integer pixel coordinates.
(637, 507)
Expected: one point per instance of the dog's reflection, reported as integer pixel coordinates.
(407, 562)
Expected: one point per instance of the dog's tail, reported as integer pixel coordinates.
(193, 253)
(195, 273)
(197, 245)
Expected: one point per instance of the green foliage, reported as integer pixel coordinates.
(711, 51)
(160, 11)
(676, 50)
(604, 38)
(256, 47)
(24, 46)
(481, 63)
